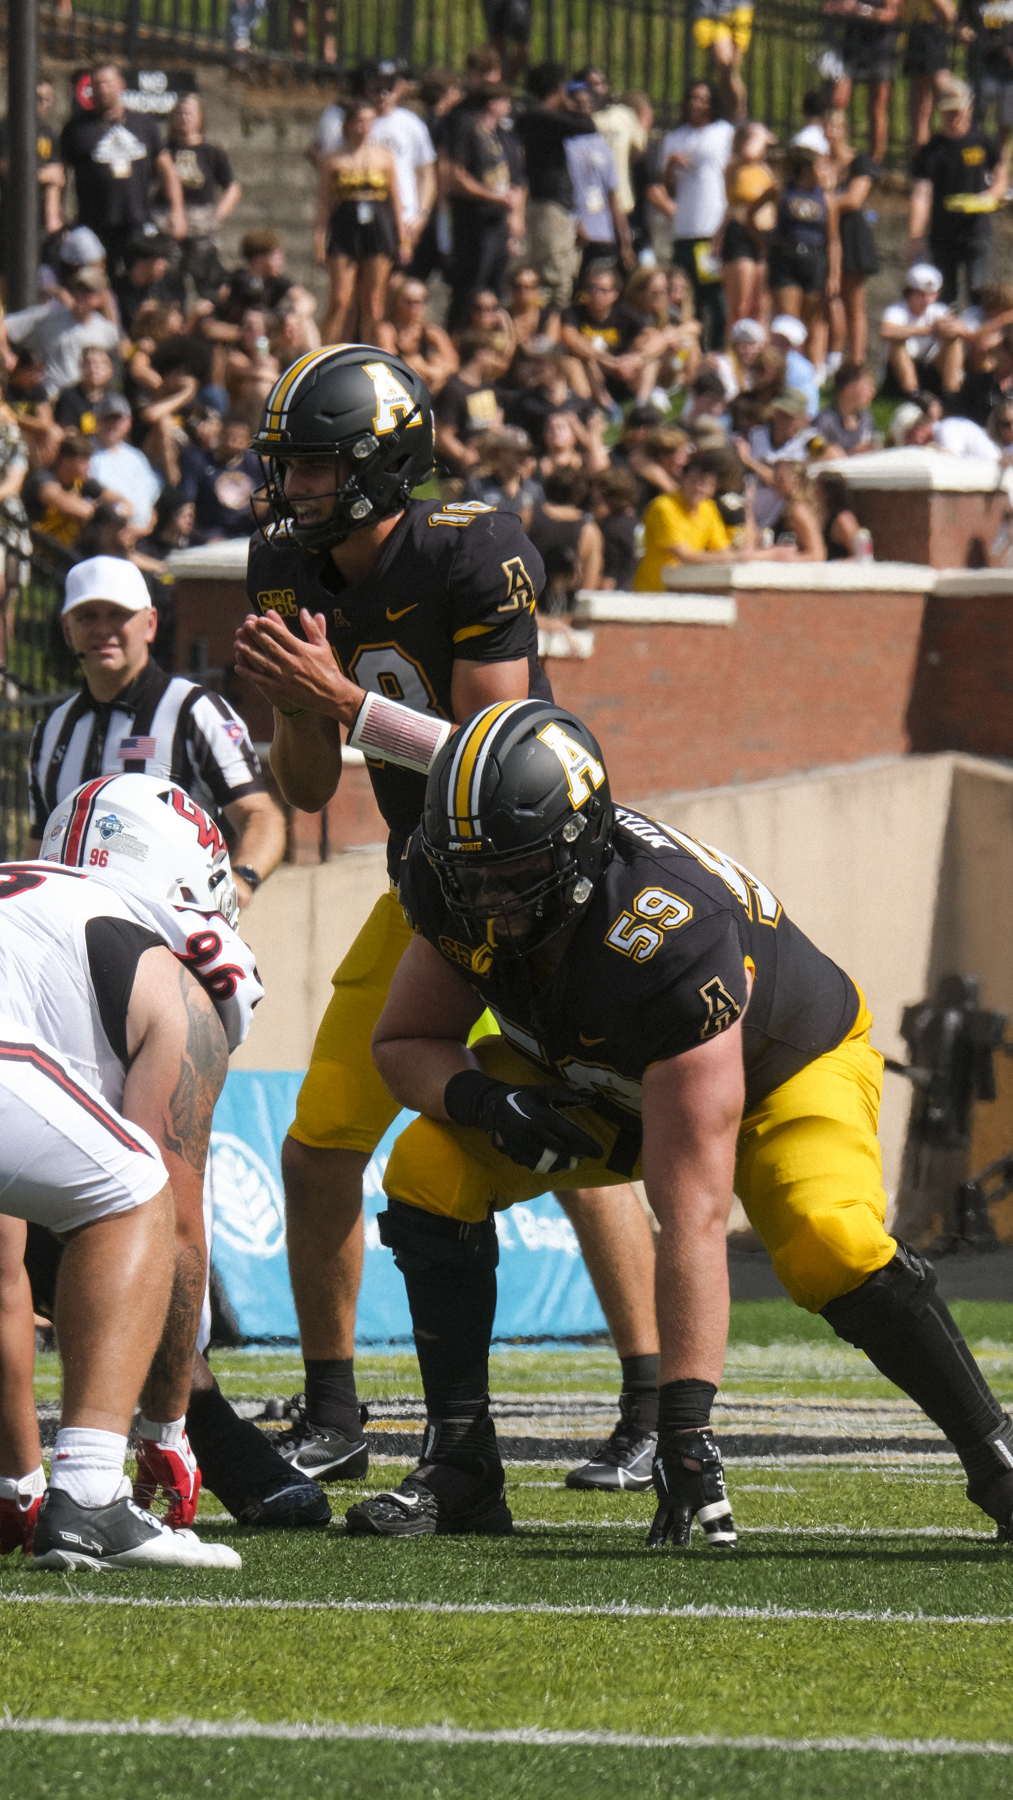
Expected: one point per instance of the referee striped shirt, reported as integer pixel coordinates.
(162, 725)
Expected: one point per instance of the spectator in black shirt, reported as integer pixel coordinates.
(467, 404)
(51, 176)
(486, 187)
(116, 156)
(552, 228)
(959, 180)
(77, 406)
(148, 274)
(616, 495)
(870, 58)
(210, 193)
(602, 332)
(984, 389)
(225, 484)
(542, 389)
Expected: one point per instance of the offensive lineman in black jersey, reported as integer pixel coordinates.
(653, 988)
(395, 617)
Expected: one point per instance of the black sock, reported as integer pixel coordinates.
(235, 1458)
(330, 1396)
(640, 1390)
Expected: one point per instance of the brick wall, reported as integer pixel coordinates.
(803, 680)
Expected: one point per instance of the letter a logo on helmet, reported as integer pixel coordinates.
(577, 762)
(393, 402)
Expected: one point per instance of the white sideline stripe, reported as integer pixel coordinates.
(452, 1734)
(619, 1609)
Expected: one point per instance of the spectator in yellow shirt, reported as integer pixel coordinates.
(684, 527)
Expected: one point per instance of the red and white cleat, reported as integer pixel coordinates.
(165, 1461)
(20, 1499)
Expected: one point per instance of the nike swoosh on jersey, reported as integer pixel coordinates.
(400, 615)
(587, 1042)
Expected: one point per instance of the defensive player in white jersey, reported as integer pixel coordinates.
(124, 987)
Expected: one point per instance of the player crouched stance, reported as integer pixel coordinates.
(727, 1049)
(124, 988)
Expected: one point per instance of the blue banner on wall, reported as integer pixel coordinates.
(544, 1288)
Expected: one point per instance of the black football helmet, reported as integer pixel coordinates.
(356, 401)
(518, 824)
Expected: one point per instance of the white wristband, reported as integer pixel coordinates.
(384, 730)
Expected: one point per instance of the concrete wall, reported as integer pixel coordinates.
(901, 869)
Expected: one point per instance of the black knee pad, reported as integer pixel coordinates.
(904, 1287)
(423, 1240)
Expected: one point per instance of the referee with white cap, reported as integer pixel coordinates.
(131, 718)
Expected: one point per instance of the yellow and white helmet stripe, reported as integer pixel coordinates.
(286, 389)
(477, 741)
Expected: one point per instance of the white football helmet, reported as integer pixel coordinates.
(150, 832)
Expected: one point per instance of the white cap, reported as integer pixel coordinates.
(924, 278)
(787, 326)
(902, 421)
(109, 578)
(812, 137)
(80, 247)
(747, 331)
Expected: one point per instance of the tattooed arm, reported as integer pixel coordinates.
(179, 1059)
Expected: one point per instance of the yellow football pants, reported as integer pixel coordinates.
(808, 1169)
(343, 1104)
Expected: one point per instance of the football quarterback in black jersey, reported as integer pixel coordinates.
(660, 1015)
(397, 618)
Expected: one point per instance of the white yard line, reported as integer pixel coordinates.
(533, 1736)
(620, 1609)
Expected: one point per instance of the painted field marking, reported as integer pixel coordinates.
(452, 1734)
(618, 1609)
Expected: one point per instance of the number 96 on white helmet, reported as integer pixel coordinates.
(150, 833)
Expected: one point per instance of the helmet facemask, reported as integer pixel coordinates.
(511, 917)
(376, 488)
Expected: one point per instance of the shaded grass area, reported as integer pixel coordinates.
(90, 1769)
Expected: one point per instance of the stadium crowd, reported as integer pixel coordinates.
(651, 347)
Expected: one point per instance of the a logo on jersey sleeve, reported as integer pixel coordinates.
(583, 772)
(520, 588)
(722, 1008)
(394, 404)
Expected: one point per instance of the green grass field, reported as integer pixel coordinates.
(859, 1640)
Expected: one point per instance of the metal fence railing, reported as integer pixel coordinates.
(40, 672)
(644, 44)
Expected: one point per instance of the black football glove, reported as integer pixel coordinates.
(686, 1493)
(524, 1122)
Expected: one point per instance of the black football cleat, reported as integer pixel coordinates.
(623, 1463)
(321, 1451)
(290, 1504)
(436, 1499)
